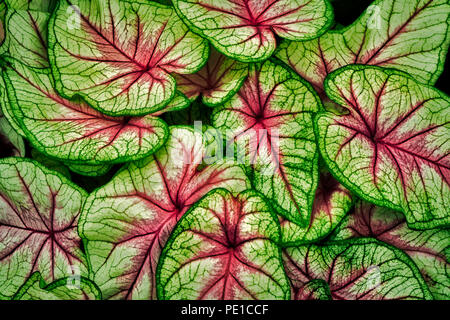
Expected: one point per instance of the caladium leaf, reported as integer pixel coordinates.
(26, 37)
(409, 35)
(331, 204)
(68, 288)
(71, 129)
(39, 212)
(224, 248)
(392, 148)
(120, 55)
(270, 120)
(25, 42)
(217, 81)
(357, 269)
(429, 249)
(245, 30)
(127, 221)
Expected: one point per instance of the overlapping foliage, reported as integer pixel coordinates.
(206, 149)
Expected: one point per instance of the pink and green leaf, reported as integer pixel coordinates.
(216, 82)
(26, 37)
(409, 35)
(245, 30)
(71, 129)
(270, 122)
(25, 41)
(357, 269)
(429, 249)
(121, 56)
(39, 211)
(392, 147)
(128, 221)
(224, 248)
(331, 204)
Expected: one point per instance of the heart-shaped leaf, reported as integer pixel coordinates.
(270, 120)
(224, 248)
(27, 42)
(217, 81)
(357, 269)
(409, 35)
(68, 288)
(39, 212)
(71, 129)
(429, 249)
(120, 55)
(331, 204)
(392, 148)
(127, 221)
(245, 30)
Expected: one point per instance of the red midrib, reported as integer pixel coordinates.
(143, 68)
(396, 33)
(278, 158)
(395, 146)
(436, 163)
(66, 104)
(148, 253)
(260, 112)
(112, 44)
